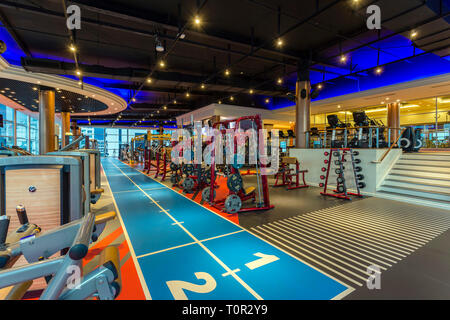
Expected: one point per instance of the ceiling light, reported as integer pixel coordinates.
(165, 107)
(78, 72)
(162, 64)
(251, 91)
(279, 81)
(174, 101)
(158, 45)
(219, 102)
(343, 58)
(279, 42)
(232, 98)
(202, 86)
(149, 80)
(72, 48)
(413, 34)
(267, 100)
(188, 94)
(197, 20)
(319, 86)
(378, 70)
(227, 72)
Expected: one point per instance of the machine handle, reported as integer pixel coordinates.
(22, 214)
(4, 226)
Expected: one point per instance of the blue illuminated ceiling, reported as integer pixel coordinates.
(402, 59)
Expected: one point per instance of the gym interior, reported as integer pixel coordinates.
(224, 150)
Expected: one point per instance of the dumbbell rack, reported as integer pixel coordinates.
(341, 185)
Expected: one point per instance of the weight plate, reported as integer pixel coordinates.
(326, 154)
(188, 184)
(226, 171)
(341, 189)
(338, 171)
(232, 204)
(336, 154)
(206, 194)
(324, 169)
(173, 166)
(234, 182)
(325, 161)
(360, 177)
(358, 169)
(361, 185)
(340, 180)
(175, 179)
(188, 169)
(322, 177)
(321, 185)
(337, 162)
(356, 153)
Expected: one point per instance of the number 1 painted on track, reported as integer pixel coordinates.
(264, 259)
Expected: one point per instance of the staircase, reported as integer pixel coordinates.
(421, 178)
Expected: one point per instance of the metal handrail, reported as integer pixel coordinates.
(390, 148)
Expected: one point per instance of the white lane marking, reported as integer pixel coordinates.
(188, 244)
(130, 245)
(227, 273)
(235, 276)
(339, 296)
(336, 242)
(262, 261)
(312, 259)
(176, 223)
(304, 246)
(345, 237)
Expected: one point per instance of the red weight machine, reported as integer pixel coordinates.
(287, 174)
(260, 193)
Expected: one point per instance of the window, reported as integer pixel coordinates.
(34, 135)
(22, 137)
(7, 132)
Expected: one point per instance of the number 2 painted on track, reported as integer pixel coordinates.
(177, 287)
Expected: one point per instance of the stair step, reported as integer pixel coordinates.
(421, 186)
(426, 156)
(423, 181)
(413, 199)
(418, 174)
(428, 163)
(416, 192)
(418, 168)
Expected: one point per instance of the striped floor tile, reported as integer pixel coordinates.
(346, 240)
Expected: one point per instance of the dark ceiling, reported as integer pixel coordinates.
(116, 45)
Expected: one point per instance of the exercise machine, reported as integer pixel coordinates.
(290, 177)
(73, 238)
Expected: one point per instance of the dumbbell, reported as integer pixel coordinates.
(326, 153)
(356, 153)
(325, 161)
(321, 185)
(357, 161)
(324, 169)
(358, 169)
(360, 177)
(361, 185)
(322, 177)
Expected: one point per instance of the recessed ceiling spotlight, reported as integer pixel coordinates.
(279, 42)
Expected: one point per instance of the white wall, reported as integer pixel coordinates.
(374, 173)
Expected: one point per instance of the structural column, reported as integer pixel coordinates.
(65, 119)
(46, 120)
(302, 107)
(393, 119)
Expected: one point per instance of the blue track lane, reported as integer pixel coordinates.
(186, 251)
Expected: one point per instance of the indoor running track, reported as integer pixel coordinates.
(185, 251)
